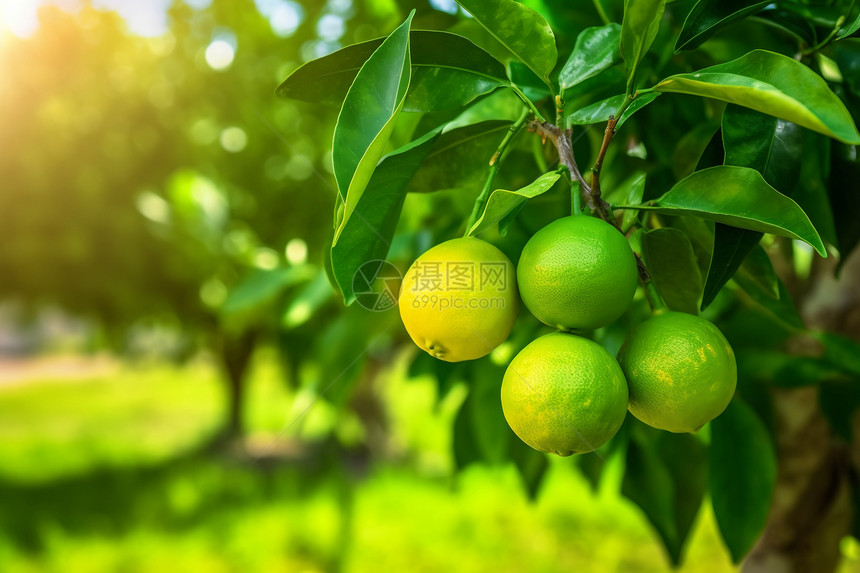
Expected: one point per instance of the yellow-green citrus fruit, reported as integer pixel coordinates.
(577, 273)
(564, 394)
(458, 301)
(681, 372)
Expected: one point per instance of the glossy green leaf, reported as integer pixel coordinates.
(780, 308)
(709, 16)
(852, 23)
(731, 246)
(367, 234)
(448, 71)
(520, 29)
(502, 201)
(596, 49)
(665, 476)
(773, 147)
(742, 476)
(790, 22)
(367, 117)
(740, 197)
(602, 110)
(690, 149)
(638, 30)
(772, 84)
(669, 257)
(457, 156)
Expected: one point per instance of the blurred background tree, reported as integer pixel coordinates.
(152, 186)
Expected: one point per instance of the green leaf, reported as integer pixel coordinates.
(839, 401)
(307, 302)
(740, 197)
(784, 371)
(742, 476)
(781, 308)
(602, 110)
(367, 234)
(844, 199)
(465, 449)
(846, 54)
(665, 476)
(531, 464)
(520, 29)
(490, 430)
(345, 360)
(690, 149)
(638, 30)
(772, 84)
(261, 287)
(810, 189)
(669, 257)
(790, 22)
(448, 72)
(451, 164)
(851, 24)
(367, 117)
(596, 49)
(759, 270)
(771, 146)
(709, 16)
(731, 246)
(502, 201)
(841, 352)
(774, 148)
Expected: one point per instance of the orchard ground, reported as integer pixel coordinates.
(107, 472)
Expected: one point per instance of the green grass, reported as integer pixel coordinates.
(106, 475)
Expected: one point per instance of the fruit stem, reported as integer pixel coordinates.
(575, 198)
(495, 162)
(527, 101)
(562, 142)
(608, 134)
(655, 301)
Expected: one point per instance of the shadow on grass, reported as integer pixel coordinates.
(202, 488)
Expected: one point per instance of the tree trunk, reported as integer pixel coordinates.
(812, 508)
(236, 356)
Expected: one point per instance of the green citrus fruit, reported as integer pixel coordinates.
(564, 394)
(681, 372)
(458, 301)
(577, 273)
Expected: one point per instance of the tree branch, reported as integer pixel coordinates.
(562, 142)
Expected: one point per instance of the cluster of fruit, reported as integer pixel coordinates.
(564, 393)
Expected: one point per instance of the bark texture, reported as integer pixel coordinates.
(812, 508)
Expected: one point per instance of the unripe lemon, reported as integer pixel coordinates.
(681, 372)
(458, 301)
(577, 273)
(564, 394)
